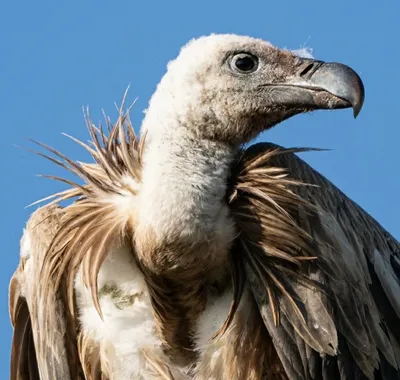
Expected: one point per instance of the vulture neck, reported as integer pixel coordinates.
(183, 219)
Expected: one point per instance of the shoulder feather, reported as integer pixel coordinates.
(324, 273)
(43, 341)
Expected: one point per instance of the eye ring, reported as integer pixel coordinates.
(244, 63)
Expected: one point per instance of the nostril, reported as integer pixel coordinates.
(306, 69)
(309, 68)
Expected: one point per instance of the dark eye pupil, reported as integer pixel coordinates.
(245, 63)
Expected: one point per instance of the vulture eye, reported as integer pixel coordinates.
(244, 63)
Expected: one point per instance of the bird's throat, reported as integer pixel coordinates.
(183, 218)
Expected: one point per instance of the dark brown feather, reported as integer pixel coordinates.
(40, 345)
(314, 260)
(23, 354)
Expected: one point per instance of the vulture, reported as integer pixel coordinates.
(182, 252)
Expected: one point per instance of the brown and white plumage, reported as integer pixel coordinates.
(184, 256)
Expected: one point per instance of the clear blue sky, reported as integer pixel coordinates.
(57, 56)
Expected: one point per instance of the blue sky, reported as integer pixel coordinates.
(57, 56)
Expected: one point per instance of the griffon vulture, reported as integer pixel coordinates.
(186, 256)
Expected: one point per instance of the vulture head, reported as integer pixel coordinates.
(229, 88)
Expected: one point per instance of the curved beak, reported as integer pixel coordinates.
(322, 85)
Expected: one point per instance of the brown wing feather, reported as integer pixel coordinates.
(23, 354)
(44, 340)
(325, 274)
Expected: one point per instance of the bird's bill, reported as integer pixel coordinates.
(321, 85)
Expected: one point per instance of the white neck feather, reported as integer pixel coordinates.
(183, 190)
